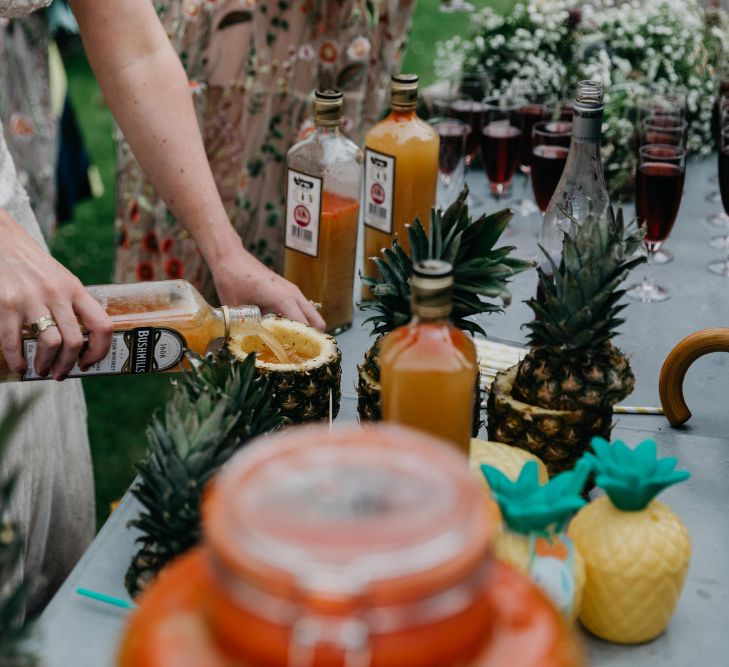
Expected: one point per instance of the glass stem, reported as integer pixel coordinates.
(648, 282)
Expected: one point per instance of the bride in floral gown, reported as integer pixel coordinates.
(147, 91)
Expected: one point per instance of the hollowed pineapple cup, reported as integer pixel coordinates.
(557, 437)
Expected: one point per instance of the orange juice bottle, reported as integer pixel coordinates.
(401, 172)
(322, 213)
(428, 367)
(154, 323)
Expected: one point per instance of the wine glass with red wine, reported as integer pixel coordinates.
(721, 267)
(550, 147)
(467, 106)
(500, 141)
(451, 162)
(659, 183)
(720, 218)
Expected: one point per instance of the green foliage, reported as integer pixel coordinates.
(632, 477)
(530, 507)
(13, 631)
(218, 406)
(480, 271)
(580, 306)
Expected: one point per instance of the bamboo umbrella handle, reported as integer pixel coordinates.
(679, 360)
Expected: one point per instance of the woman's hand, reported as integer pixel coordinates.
(34, 285)
(241, 279)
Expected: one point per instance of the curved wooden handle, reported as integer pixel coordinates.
(679, 360)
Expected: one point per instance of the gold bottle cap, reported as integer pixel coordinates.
(404, 92)
(431, 289)
(328, 107)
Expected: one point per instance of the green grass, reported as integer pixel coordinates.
(119, 408)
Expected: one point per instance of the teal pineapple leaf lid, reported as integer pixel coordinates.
(530, 507)
(632, 477)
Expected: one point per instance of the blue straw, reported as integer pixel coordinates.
(108, 599)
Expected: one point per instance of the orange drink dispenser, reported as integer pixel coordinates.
(322, 213)
(428, 367)
(401, 173)
(154, 323)
(345, 548)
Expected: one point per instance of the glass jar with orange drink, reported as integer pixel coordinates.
(428, 367)
(346, 548)
(401, 173)
(322, 213)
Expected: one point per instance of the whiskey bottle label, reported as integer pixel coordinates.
(303, 212)
(379, 190)
(140, 350)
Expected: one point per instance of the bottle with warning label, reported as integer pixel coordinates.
(154, 323)
(322, 213)
(401, 172)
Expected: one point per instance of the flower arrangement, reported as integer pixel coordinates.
(629, 45)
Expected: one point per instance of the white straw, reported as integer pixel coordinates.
(635, 410)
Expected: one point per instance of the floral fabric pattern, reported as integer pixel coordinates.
(253, 67)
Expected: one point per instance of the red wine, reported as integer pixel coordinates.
(500, 148)
(527, 117)
(724, 177)
(471, 113)
(547, 165)
(658, 192)
(451, 146)
(566, 111)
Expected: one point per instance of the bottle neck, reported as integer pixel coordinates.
(586, 133)
(431, 305)
(230, 321)
(402, 113)
(327, 130)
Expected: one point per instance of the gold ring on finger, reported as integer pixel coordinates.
(42, 323)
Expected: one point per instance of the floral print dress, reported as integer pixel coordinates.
(253, 66)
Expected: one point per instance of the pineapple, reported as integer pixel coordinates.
(562, 393)
(219, 405)
(306, 389)
(532, 539)
(480, 272)
(13, 632)
(636, 549)
(509, 460)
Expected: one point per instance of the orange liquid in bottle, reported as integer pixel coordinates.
(428, 373)
(414, 145)
(329, 278)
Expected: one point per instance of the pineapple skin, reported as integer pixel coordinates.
(556, 383)
(513, 549)
(636, 563)
(557, 437)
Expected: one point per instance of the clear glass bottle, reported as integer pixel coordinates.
(428, 367)
(581, 188)
(154, 323)
(401, 173)
(322, 213)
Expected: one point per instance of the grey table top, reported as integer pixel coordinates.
(79, 632)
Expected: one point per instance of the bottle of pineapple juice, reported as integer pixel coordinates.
(154, 323)
(401, 173)
(428, 367)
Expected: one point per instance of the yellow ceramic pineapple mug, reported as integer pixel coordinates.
(679, 360)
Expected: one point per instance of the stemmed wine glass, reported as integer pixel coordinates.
(467, 105)
(721, 267)
(500, 139)
(720, 218)
(658, 190)
(452, 159)
(550, 148)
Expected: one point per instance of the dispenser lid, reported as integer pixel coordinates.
(382, 512)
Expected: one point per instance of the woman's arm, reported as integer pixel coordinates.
(147, 90)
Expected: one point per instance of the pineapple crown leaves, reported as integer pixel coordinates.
(13, 596)
(580, 307)
(531, 507)
(631, 477)
(480, 271)
(218, 406)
